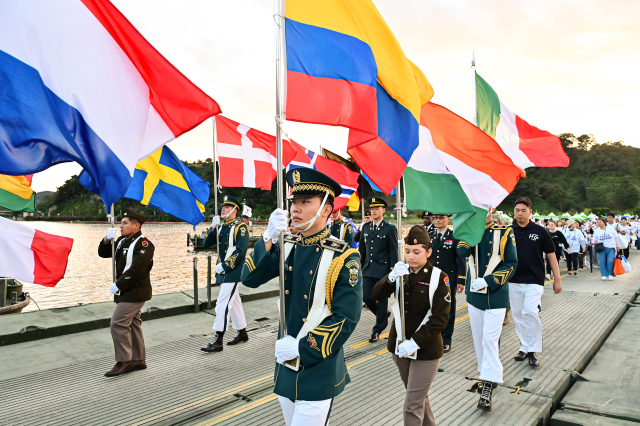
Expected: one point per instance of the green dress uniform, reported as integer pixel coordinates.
(446, 257)
(497, 295)
(342, 230)
(240, 240)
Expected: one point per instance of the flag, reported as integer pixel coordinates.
(374, 187)
(247, 156)
(525, 144)
(346, 68)
(354, 202)
(16, 193)
(347, 178)
(164, 182)
(102, 95)
(246, 211)
(364, 187)
(32, 256)
(458, 169)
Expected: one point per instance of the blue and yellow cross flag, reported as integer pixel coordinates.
(164, 182)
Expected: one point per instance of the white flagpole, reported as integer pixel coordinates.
(281, 63)
(474, 119)
(113, 245)
(215, 184)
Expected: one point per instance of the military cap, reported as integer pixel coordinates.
(134, 215)
(311, 183)
(377, 202)
(427, 214)
(418, 235)
(228, 200)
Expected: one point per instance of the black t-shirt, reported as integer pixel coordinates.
(558, 241)
(532, 243)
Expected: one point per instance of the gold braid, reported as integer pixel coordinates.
(334, 271)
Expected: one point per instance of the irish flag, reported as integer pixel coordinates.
(458, 169)
(525, 144)
(32, 256)
(16, 193)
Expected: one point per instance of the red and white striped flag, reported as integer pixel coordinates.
(247, 156)
(32, 256)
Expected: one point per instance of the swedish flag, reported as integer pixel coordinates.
(164, 182)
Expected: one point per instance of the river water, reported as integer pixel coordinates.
(88, 276)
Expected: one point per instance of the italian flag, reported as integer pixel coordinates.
(458, 169)
(16, 193)
(525, 144)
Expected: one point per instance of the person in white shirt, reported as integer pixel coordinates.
(625, 231)
(577, 244)
(608, 237)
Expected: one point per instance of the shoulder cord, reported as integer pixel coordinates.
(334, 272)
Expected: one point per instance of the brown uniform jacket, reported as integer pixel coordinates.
(416, 286)
(134, 284)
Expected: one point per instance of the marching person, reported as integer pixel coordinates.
(367, 218)
(427, 220)
(527, 284)
(132, 288)
(606, 246)
(323, 299)
(234, 242)
(427, 297)
(446, 258)
(378, 254)
(493, 262)
(342, 228)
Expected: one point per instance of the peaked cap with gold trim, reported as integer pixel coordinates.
(311, 183)
(377, 202)
(228, 200)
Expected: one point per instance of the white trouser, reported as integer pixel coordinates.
(525, 305)
(486, 327)
(305, 413)
(229, 305)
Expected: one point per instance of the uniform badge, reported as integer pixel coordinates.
(353, 272)
(296, 176)
(448, 243)
(141, 251)
(446, 281)
(242, 232)
(145, 244)
(496, 280)
(447, 298)
(312, 342)
(424, 283)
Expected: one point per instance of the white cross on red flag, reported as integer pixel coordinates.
(247, 156)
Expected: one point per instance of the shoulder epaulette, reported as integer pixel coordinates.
(333, 244)
(292, 238)
(500, 227)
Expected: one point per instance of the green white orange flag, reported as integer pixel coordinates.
(525, 144)
(458, 169)
(16, 193)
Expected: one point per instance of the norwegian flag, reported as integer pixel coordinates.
(348, 179)
(247, 156)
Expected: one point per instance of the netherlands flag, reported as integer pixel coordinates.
(346, 178)
(79, 83)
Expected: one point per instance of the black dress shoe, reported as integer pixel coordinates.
(447, 348)
(240, 338)
(374, 337)
(215, 345)
(533, 361)
(521, 356)
(485, 396)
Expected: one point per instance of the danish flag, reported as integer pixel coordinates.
(247, 156)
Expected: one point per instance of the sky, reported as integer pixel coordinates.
(562, 65)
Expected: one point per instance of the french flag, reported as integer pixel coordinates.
(79, 83)
(348, 179)
(32, 256)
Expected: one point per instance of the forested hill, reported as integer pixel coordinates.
(601, 177)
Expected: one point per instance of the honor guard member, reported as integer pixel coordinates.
(491, 264)
(427, 220)
(132, 288)
(234, 242)
(323, 299)
(342, 228)
(446, 257)
(367, 218)
(378, 253)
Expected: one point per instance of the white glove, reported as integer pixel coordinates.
(407, 348)
(399, 270)
(111, 233)
(219, 269)
(215, 222)
(114, 289)
(286, 349)
(278, 222)
(478, 284)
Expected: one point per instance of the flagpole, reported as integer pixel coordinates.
(215, 183)
(474, 119)
(400, 256)
(112, 219)
(280, 117)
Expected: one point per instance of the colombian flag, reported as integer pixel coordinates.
(346, 68)
(16, 193)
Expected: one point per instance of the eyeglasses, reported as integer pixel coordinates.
(440, 217)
